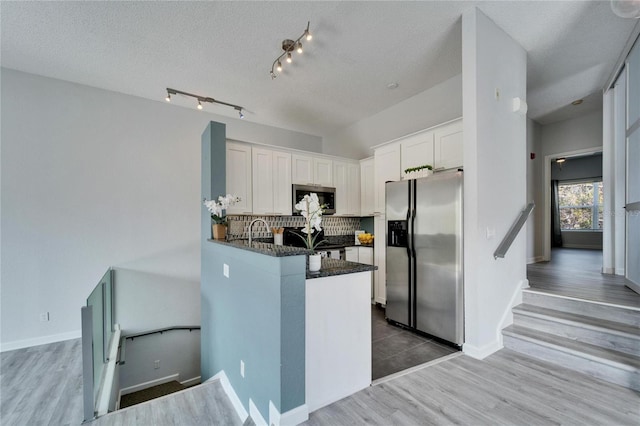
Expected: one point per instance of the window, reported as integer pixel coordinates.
(580, 205)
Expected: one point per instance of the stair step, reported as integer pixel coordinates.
(606, 364)
(616, 313)
(595, 331)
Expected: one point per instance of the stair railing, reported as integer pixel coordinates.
(513, 232)
(123, 339)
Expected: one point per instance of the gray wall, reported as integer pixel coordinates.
(577, 168)
(92, 179)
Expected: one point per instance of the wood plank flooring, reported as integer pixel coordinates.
(505, 389)
(576, 273)
(42, 385)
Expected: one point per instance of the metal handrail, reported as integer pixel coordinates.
(123, 339)
(513, 232)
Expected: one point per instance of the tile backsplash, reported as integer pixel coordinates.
(332, 225)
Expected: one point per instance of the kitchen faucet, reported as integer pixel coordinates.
(251, 228)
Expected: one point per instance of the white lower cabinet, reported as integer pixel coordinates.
(351, 254)
(362, 255)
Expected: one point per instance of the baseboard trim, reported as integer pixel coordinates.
(535, 259)
(633, 286)
(255, 414)
(292, 417)
(37, 341)
(191, 382)
(231, 394)
(483, 351)
(150, 383)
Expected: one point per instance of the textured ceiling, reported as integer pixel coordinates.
(225, 50)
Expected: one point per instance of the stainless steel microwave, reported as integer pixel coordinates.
(326, 196)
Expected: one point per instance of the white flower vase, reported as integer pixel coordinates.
(315, 260)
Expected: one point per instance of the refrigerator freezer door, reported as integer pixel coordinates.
(397, 258)
(438, 246)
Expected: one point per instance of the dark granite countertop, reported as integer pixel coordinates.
(263, 247)
(332, 267)
(328, 268)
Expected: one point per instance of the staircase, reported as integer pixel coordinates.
(595, 338)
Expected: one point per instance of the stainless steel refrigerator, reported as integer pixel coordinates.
(424, 255)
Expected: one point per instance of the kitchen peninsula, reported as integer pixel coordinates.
(300, 339)
(282, 341)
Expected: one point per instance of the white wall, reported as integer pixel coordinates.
(495, 179)
(433, 106)
(535, 192)
(93, 179)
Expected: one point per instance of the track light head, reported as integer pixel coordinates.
(240, 113)
(199, 104)
(299, 47)
(307, 34)
(168, 98)
(278, 67)
(289, 60)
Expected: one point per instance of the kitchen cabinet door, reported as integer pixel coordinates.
(262, 180)
(353, 189)
(346, 180)
(271, 182)
(365, 255)
(367, 187)
(387, 168)
(322, 172)
(282, 196)
(239, 177)
(351, 254)
(340, 183)
(417, 150)
(301, 169)
(448, 146)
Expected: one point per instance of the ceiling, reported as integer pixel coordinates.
(225, 50)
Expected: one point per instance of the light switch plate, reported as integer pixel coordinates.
(225, 270)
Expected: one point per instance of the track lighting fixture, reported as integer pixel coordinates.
(202, 99)
(289, 46)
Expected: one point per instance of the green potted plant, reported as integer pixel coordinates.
(418, 172)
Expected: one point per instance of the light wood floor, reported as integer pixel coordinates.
(504, 389)
(576, 273)
(42, 386)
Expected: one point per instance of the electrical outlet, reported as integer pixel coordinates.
(44, 317)
(156, 364)
(242, 368)
(225, 270)
(491, 233)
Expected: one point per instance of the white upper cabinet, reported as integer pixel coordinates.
(271, 181)
(239, 177)
(387, 168)
(417, 150)
(310, 170)
(322, 171)
(302, 169)
(367, 187)
(346, 179)
(282, 195)
(448, 145)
